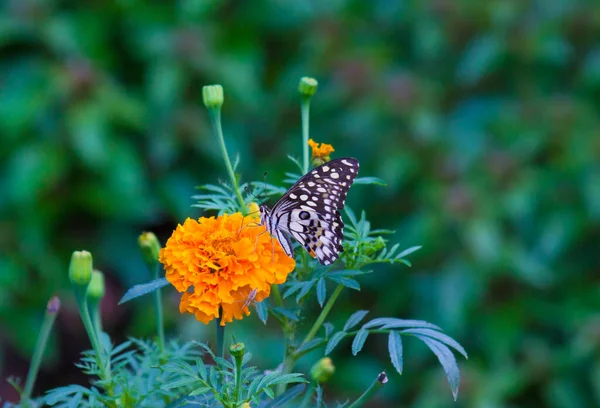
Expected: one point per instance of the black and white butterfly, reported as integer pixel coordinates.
(308, 211)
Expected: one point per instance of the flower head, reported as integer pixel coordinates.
(218, 262)
(320, 152)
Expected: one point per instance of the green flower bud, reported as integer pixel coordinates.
(307, 87)
(96, 288)
(212, 96)
(53, 306)
(237, 349)
(80, 269)
(150, 247)
(322, 370)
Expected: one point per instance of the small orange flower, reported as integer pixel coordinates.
(320, 154)
(217, 264)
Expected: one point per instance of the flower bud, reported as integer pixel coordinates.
(212, 96)
(237, 349)
(150, 247)
(80, 269)
(322, 370)
(96, 288)
(307, 86)
(245, 405)
(53, 306)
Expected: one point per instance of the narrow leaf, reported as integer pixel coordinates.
(199, 391)
(334, 341)
(370, 180)
(143, 289)
(440, 337)
(447, 360)
(355, 319)
(286, 397)
(395, 350)
(347, 282)
(394, 323)
(262, 311)
(408, 251)
(359, 341)
(311, 345)
(328, 329)
(321, 291)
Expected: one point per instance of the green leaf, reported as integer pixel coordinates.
(394, 323)
(408, 251)
(395, 350)
(328, 329)
(347, 282)
(200, 391)
(286, 313)
(355, 319)
(334, 341)
(359, 341)
(201, 368)
(321, 291)
(180, 382)
(143, 289)
(262, 311)
(286, 397)
(447, 360)
(440, 337)
(370, 180)
(305, 289)
(310, 345)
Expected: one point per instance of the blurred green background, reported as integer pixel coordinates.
(483, 117)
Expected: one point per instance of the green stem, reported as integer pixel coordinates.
(277, 295)
(305, 110)
(38, 353)
(220, 338)
(307, 396)
(238, 379)
(215, 118)
(370, 392)
(324, 312)
(159, 311)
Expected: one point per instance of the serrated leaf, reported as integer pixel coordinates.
(328, 328)
(201, 368)
(262, 311)
(143, 289)
(200, 391)
(409, 251)
(334, 341)
(394, 323)
(447, 361)
(395, 350)
(321, 291)
(440, 337)
(355, 319)
(310, 345)
(286, 313)
(293, 288)
(347, 282)
(286, 397)
(305, 289)
(359, 341)
(370, 180)
(181, 382)
(348, 272)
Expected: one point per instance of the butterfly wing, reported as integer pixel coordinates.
(309, 209)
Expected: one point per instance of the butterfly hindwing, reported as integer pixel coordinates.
(309, 210)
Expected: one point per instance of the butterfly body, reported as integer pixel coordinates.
(308, 211)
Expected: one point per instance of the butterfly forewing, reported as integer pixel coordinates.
(309, 210)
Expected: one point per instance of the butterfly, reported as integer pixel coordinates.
(308, 211)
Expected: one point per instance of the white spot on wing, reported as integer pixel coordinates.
(325, 168)
(335, 175)
(303, 197)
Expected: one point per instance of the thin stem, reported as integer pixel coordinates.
(305, 110)
(370, 392)
(38, 353)
(238, 378)
(215, 118)
(324, 312)
(277, 295)
(159, 311)
(220, 338)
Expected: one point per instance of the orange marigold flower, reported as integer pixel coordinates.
(320, 152)
(218, 265)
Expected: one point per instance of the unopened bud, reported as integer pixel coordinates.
(237, 349)
(322, 370)
(307, 86)
(96, 288)
(80, 268)
(53, 306)
(212, 96)
(150, 247)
